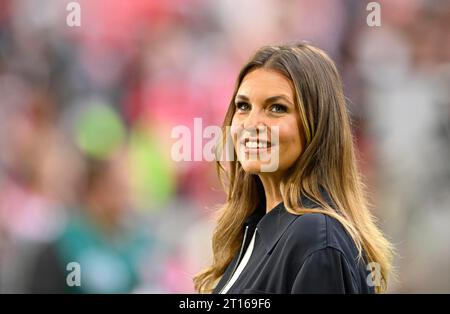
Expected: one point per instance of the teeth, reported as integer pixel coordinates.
(251, 144)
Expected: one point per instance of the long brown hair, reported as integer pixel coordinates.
(328, 160)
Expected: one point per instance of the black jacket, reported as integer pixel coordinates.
(310, 253)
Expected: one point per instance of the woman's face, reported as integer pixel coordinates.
(266, 123)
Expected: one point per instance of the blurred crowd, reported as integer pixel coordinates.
(86, 115)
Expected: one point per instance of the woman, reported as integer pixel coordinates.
(304, 227)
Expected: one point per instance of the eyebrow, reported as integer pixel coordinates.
(268, 100)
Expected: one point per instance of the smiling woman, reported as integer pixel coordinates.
(265, 100)
(305, 226)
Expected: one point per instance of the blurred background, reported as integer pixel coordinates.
(86, 114)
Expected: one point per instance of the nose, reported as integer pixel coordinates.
(255, 120)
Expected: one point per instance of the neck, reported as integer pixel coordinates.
(271, 184)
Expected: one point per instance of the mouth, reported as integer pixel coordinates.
(255, 144)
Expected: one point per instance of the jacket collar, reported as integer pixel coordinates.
(272, 225)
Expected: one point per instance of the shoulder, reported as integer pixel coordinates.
(313, 232)
(324, 249)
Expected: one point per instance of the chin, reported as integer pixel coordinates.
(252, 167)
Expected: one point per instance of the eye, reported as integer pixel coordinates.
(242, 106)
(278, 108)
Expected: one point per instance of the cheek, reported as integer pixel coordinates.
(234, 120)
(235, 129)
(290, 139)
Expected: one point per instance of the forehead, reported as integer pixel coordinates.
(265, 83)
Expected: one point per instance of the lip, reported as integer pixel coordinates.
(244, 141)
(255, 139)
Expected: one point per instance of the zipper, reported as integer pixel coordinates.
(237, 261)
